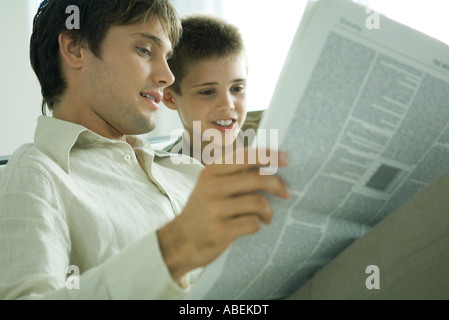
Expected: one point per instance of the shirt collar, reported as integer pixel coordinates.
(58, 137)
(140, 143)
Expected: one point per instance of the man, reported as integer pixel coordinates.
(89, 194)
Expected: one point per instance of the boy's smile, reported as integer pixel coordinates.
(225, 124)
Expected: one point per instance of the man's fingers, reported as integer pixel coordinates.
(244, 183)
(250, 158)
(243, 225)
(251, 204)
(252, 181)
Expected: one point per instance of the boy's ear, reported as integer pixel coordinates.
(168, 99)
(71, 51)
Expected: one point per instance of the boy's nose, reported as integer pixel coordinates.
(225, 103)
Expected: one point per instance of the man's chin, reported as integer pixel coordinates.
(143, 125)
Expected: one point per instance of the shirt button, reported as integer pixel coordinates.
(127, 157)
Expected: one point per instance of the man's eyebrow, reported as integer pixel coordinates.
(157, 40)
(150, 37)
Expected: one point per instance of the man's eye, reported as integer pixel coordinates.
(143, 51)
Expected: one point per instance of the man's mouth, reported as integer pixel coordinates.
(148, 96)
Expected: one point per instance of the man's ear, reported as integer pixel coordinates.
(169, 99)
(71, 51)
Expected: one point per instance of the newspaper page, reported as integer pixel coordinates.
(362, 108)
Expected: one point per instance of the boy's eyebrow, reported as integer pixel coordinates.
(205, 84)
(215, 83)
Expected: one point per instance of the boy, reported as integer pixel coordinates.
(209, 92)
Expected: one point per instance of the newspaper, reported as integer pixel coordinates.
(362, 108)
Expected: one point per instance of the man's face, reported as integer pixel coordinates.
(214, 93)
(124, 87)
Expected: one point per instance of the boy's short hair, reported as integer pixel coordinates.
(203, 37)
(96, 17)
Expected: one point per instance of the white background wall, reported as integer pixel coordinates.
(20, 92)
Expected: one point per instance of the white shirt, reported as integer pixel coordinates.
(74, 198)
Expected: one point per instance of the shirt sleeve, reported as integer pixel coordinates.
(146, 276)
(137, 272)
(35, 251)
(34, 240)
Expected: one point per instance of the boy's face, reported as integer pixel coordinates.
(214, 93)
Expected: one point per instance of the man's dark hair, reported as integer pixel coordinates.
(203, 37)
(96, 17)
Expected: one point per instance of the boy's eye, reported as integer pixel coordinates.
(238, 88)
(207, 92)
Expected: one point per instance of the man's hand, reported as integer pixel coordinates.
(224, 205)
